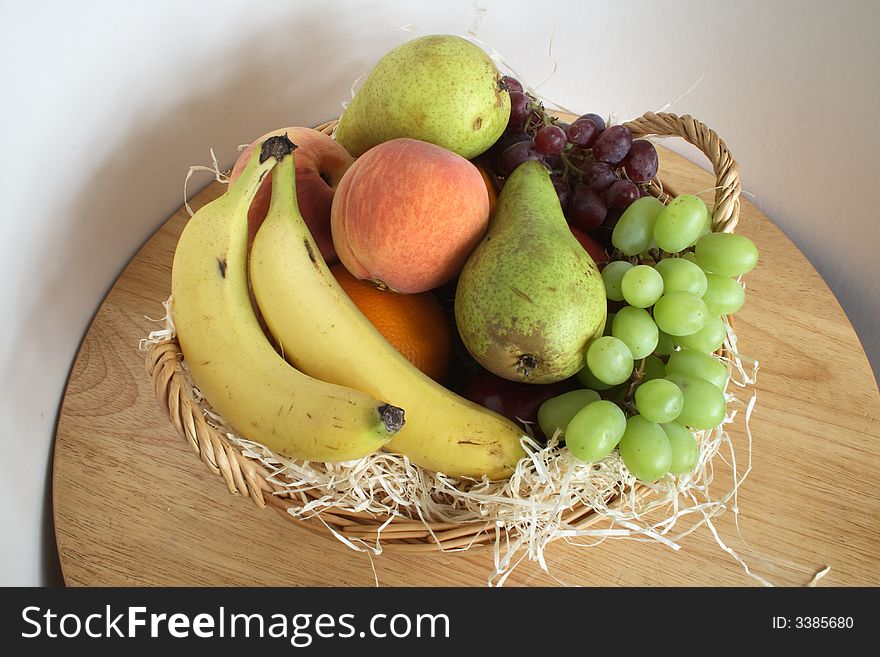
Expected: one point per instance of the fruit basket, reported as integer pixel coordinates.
(443, 523)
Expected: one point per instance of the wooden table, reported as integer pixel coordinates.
(134, 506)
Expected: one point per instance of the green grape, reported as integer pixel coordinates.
(641, 286)
(634, 230)
(610, 360)
(659, 400)
(723, 295)
(636, 329)
(681, 275)
(680, 313)
(645, 449)
(685, 451)
(699, 364)
(708, 339)
(589, 380)
(704, 404)
(612, 274)
(556, 412)
(665, 344)
(653, 369)
(690, 256)
(726, 254)
(708, 227)
(593, 433)
(681, 223)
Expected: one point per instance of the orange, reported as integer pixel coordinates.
(414, 324)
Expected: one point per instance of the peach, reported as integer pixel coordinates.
(320, 165)
(407, 214)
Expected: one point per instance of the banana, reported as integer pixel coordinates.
(323, 333)
(231, 359)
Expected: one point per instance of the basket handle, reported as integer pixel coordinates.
(725, 213)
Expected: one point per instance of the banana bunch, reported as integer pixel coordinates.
(323, 333)
(231, 359)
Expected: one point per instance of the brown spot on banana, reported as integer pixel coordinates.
(311, 252)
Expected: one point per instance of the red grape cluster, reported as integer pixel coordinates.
(597, 170)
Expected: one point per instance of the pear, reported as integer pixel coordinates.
(530, 299)
(440, 89)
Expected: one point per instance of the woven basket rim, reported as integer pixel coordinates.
(246, 476)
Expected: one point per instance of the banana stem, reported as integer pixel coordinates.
(284, 179)
(262, 161)
(278, 146)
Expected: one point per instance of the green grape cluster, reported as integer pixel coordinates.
(653, 379)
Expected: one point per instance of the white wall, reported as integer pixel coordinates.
(104, 106)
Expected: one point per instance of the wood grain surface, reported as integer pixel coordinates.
(134, 506)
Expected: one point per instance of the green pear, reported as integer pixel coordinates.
(441, 89)
(530, 299)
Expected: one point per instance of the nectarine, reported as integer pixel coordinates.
(591, 246)
(407, 214)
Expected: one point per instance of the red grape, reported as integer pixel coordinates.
(612, 218)
(519, 111)
(562, 124)
(506, 140)
(563, 190)
(515, 155)
(595, 118)
(509, 139)
(555, 164)
(641, 162)
(512, 84)
(586, 208)
(550, 140)
(613, 144)
(600, 176)
(603, 233)
(621, 194)
(583, 132)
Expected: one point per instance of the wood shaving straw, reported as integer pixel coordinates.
(219, 176)
(819, 575)
(526, 512)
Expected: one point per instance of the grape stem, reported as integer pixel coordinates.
(635, 380)
(570, 168)
(537, 107)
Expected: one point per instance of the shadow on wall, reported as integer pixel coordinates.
(256, 88)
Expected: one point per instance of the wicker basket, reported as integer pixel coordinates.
(246, 476)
